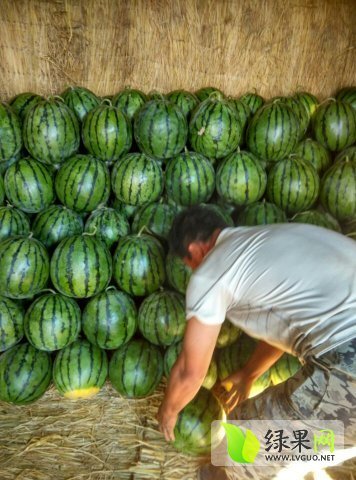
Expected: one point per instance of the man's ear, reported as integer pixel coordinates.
(193, 249)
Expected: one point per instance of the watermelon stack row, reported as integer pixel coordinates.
(89, 188)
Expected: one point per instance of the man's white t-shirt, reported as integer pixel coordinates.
(291, 285)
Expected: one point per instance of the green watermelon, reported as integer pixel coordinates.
(349, 228)
(214, 128)
(253, 100)
(273, 132)
(24, 267)
(80, 100)
(137, 179)
(178, 274)
(190, 179)
(80, 370)
(240, 179)
(227, 335)
(51, 131)
(232, 358)
(136, 369)
(205, 92)
(124, 208)
(13, 222)
(56, 223)
(108, 225)
(4, 166)
(293, 185)
(186, 101)
(348, 95)
(315, 153)
(347, 153)
(314, 217)
(81, 266)
(261, 213)
(110, 319)
(243, 111)
(25, 374)
(309, 101)
(52, 322)
(222, 212)
(11, 323)
(138, 267)
(170, 357)
(83, 183)
(284, 368)
(160, 129)
(2, 191)
(23, 102)
(334, 125)
(299, 108)
(107, 133)
(161, 317)
(155, 218)
(10, 133)
(193, 428)
(129, 101)
(29, 185)
(338, 190)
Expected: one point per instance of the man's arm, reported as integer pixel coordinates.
(188, 372)
(238, 385)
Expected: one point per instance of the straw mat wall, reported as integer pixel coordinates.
(274, 46)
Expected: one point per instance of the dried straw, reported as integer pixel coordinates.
(101, 438)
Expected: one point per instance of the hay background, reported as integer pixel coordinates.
(275, 46)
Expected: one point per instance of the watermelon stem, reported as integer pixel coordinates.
(110, 287)
(91, 234)
(107, 101)
(142, 229)
(50, 290)
(58, 97)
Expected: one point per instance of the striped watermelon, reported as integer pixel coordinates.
(186, 101)
(299, 108)
(25, 374)
(4, 166)
(51, 131)
(80, 100)
(261, 213)
(161, 317)
(178, 273)
(136, 369)
(83, 183)
(170, 357)
(129, 101)
(2, 191)
(348, 95)
(240, 179)
(234, 357)
(205, 92)
(253, 100)
(110, 319)
(124, 208)
(244, 113)
(190, 179)
(10, 133)
(293, 185)
(349, 153)
(24, 267)
(334, 125)
(321, 219)
(81, 266)
(338, 190)
(29, 185)
(214, 129)
(107, 133)
(284, 368)
(108, 225)
(193, 428)
(309, 101)
(156, 218)
(160, 129)
(11, 323)
(273, 132)
(228, 334)
(56, 223)
(23, 102)
(80, 370)
(52, 322)
(315, 153)
(137, 179)
(138, 267)
(13, 222)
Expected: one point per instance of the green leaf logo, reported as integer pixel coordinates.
(241, 447)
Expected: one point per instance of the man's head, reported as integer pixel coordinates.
(194, 232)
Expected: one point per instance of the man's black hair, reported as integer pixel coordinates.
(196, 223)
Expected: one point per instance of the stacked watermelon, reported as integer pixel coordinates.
(89, 189)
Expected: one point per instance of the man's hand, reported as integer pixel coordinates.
(167, 422)
(234, 389)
